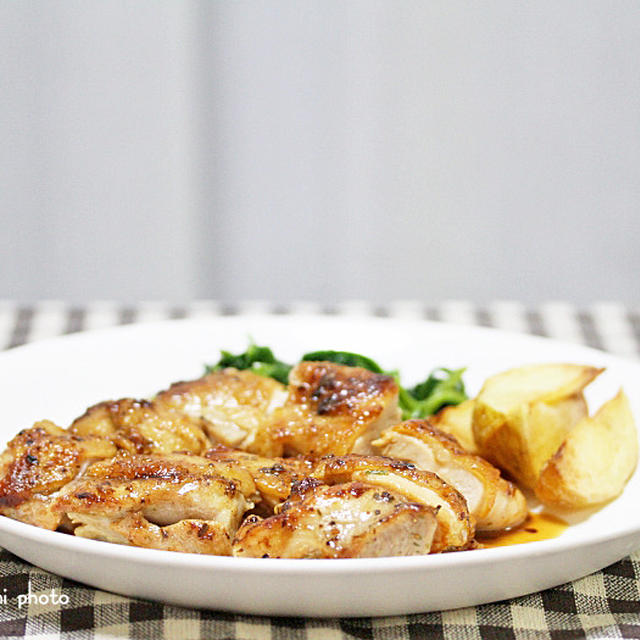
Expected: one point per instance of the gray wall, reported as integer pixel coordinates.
(320, 149)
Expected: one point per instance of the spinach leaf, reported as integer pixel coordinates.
(443, 387)
(259, 359)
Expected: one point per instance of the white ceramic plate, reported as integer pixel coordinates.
(58, 379)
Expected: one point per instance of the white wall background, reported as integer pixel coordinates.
(320, 149)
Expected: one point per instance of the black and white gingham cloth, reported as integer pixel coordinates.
(603, 605)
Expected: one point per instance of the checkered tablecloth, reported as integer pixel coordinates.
(603, 605)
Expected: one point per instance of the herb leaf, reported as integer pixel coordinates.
(259, 359)
(443, 387)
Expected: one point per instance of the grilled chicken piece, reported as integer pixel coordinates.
(141, 426)
(352, 520)
(175, 502)
(235, 406)
(494, 502)
(455, 528)
(333, 408)
(37, 463)
(328, 408)
(273, 477)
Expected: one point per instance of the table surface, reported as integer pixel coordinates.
(603, 605)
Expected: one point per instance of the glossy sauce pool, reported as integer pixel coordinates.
(537, 526)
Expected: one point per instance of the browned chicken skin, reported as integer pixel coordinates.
(235, 407)
(455, 527)
(327, 408)
(37, 463)
(142, 426)
(333, 409)
(351, 520)
(273, 477)
(494, 502)
(175, 502)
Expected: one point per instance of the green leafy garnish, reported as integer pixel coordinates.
(259, 359)
(443, 386)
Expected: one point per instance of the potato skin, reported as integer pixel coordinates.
(521, 416)
(594, 462)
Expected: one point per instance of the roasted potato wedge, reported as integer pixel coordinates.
(595, 461)
(456, 420)
(522, 416)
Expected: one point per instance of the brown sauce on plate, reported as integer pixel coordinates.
(537, 526)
